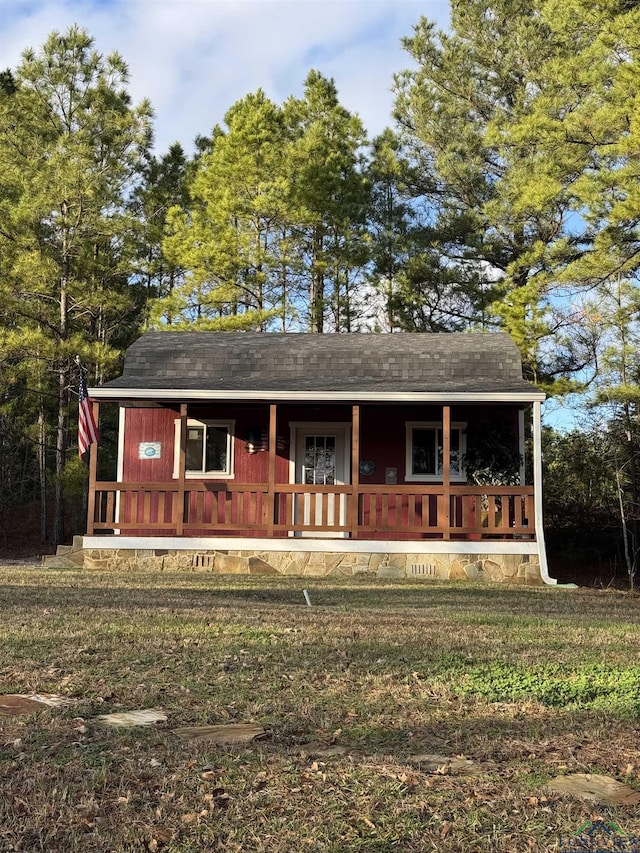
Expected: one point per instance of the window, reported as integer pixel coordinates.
(209, 449)
(424, 451)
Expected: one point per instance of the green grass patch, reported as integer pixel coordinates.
(611, 689)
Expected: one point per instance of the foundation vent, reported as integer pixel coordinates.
(426, 570)
(203, 561)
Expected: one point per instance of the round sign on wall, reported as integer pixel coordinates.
(149, 450)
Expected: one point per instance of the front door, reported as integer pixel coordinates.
(321, 459)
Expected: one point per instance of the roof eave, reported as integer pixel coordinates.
(121, 394)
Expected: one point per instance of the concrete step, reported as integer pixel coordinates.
(67, 560)
(62, 550)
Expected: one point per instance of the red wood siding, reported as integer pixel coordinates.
(148, 425)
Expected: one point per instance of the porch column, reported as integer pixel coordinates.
(537, 493)
(352, 514)
(271, 493)
(521, 446)
(444, 519)
(182, 466)
(93, 468)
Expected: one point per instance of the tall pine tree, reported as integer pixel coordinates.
(71, 145)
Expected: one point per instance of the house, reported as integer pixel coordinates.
(317, 454)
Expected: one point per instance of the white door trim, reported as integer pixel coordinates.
(342, 429)
(320, 426)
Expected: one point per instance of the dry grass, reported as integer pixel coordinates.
(527, 683)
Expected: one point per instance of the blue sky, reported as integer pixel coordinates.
(194, 58)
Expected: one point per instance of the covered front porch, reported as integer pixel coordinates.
(344, 508)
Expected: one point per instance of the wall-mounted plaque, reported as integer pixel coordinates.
(367, 467)
(150, 450)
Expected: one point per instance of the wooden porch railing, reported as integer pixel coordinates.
(361, 512)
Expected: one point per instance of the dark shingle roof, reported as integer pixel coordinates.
(353, 363)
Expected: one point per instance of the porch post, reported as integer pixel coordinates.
(352, 514)
(537, 493)
(521, 446)
(271, 493)
(93, 468)
(182, 466)
(445, 517)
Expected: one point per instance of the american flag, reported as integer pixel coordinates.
(87, 428)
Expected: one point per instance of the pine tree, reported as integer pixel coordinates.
(164, 186)
(457, 109)
(330, 203)
(70, 147)
(231, 239)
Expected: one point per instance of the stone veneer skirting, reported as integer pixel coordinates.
(498, 568)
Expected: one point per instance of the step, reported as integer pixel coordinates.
(70, 560)
(63, 550)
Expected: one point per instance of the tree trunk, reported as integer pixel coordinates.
(42, 470)
(316, 294)
(63, 394)
(61, 440)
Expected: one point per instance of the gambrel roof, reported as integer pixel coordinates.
(255, 365)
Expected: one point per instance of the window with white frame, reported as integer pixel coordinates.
(209, 448)
(424, 451)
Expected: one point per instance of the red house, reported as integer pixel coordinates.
(320, 454)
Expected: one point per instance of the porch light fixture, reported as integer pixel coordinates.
(257, 441)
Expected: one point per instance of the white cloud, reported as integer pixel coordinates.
(194, 58)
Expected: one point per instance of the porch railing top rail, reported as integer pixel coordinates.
(288, 488)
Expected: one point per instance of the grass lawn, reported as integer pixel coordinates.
(527, 683)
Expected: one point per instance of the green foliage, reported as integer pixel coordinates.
(331, 198)
(465, 82)
(272, 232)
(70, 147)
(581, 504)
(75, 477)
(492, 456)
(231, 236)
(474, 110)
(163, 185)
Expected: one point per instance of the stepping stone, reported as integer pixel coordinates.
(232, 733)
(592, 786)
(444, 765)
(14, 704)
(323, 750)
(142, 717)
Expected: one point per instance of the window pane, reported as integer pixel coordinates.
(319, 466)
(424, 451)
(216, 455)
(195, 438)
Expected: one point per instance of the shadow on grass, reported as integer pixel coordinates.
(479, 603)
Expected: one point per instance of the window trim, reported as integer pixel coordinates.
(410, 426)
(229, 473)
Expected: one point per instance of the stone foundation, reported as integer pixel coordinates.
(495, 568)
